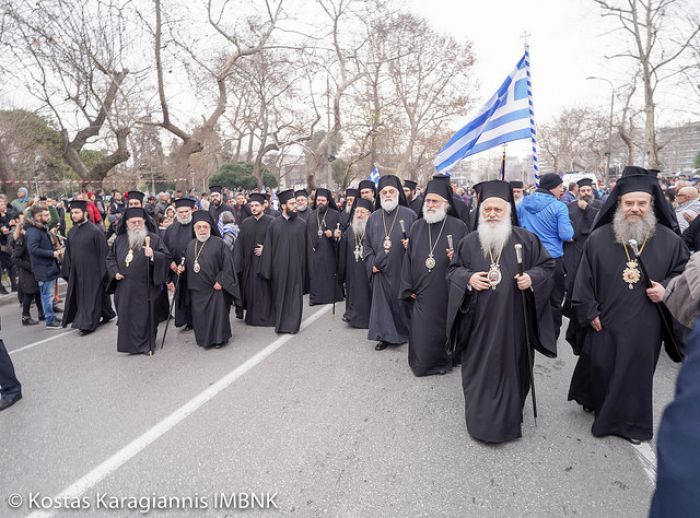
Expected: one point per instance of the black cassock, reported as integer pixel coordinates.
(427, 337)
(352, 271)
(344, 220)
(323, 268)
(85, 270)
(615, 371)
(389, 319)
(304, 214)
(256, 292)
(285, 265)
(582, 221)
(176, 238)
(210, 307)
(131, 293)
(489, 328)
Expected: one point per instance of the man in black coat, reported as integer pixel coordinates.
(10, 387)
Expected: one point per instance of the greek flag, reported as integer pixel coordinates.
(505, 117)
(374, 175)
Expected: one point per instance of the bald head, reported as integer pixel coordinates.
(685, 194)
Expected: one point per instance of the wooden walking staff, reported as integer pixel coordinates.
(528, 346)
(337, 260)
(151, 337)
(172, 304)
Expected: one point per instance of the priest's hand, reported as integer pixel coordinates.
(450, 253)
(524, 281)
(404, 242)
(148, 251)
(480, 281)
(328, 233)
(119, 276)
(180, 270)
(173, 266)
(582, 204)
(656, 292)
(375, 269)
(217, 286)
(414, 296)
(258, 250)
(595, 324)
(337, 234)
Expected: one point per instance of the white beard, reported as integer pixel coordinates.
(492, 238)
(359, 226)
(137, 238)
(390, 204)
(434, 215)
(639, 230)
(184, 221)
(203, 238)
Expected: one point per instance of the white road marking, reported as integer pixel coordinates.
(50, 338)
(647, 456)
(128, 452)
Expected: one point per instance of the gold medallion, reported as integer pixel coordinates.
(320, 233)
(430, 263)
(358, 254)
(196, 267)
(494, 275)
(631, 274)
(129, 257)
(387, 244)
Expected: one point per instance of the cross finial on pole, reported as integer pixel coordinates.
(524, 36)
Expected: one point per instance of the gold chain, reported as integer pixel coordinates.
(388, 234)
(640, 250)
(498, 259)
(197, 254)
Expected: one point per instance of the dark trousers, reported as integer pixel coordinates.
(27, 300)
(10, 387)
(6, 265)
(557, 296)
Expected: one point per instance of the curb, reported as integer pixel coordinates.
(11, 298)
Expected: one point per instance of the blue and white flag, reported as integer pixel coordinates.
(505, 117)
(374, 175)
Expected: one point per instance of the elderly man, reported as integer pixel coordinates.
(350, 196)
(621, 327)
(323, 221)
(302, 199)
(384, 247)
(285, 263)
(518, 188)
(136, 257)
(87, 304)
(352, 271)
(211, 282)
(486, 316)
(687, 206)
(423, 284)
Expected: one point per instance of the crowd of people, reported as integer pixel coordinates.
(479, 280)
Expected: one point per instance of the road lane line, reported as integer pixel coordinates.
(128, 452)
(645, 454)
(50, 338)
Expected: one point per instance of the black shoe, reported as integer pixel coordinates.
(381, 346)
(56, 309)
(7, 403)
(636, 442)
(41, 317)
(187, 328)
(84, 332)
(3, 290)
(587, 409)
(29, 321)
(54, 324)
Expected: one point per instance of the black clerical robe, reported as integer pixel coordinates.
(352, 272)
(176, 238)
(389, 320)
(344, 219)
(285, 264)
(426, 342)
(304, 214)
(323, 267)
(582, 221)
(216, 211)
(84, 267)
(256, 292)
(131, 294)
(615, 371)
(211, 307)
(416, 205)
(489, 330)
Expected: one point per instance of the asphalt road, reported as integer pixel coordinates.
(319, 421)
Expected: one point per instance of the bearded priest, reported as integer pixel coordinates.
(485, 317)
(621, 327)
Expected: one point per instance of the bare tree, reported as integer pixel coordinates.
(660, 35)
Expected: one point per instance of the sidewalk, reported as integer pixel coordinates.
(11, 298)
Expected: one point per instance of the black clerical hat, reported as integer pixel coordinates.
(352, 192)
(585, 182)
(634, 170)
(135, 195)
(185, 202)
(363, 203)
(638, 183)
(78, 204)
(325, 193)
(516, 184)
(410, 184)
(285, 196)
(203, 215)
(443, 178)
(367, 184)
(389, 180)
(444, 190)
(134, 212)
(496, 189)
(257, 196)
(300, 193)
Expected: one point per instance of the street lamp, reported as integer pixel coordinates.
(610, 121)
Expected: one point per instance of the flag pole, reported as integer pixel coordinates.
(533, 131)
(503, 163)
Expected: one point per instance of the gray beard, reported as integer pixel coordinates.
(639, 231)
(137, 238)
(184, 221)
(494, 238)
(434, 215)
(389, 205)
(203, 239)
(359, 226)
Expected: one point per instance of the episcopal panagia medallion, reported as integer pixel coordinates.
(494, 275)
(631, 274)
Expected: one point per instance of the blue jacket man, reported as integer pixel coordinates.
(545, 216)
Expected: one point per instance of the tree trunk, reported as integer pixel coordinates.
(182, 161)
